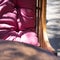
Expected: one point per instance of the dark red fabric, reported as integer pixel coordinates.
(17, 21)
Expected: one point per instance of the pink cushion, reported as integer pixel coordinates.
(27, 19)
(8, 19)
(15, 23)
(26, 4)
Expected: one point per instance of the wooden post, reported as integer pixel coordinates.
(42, 23)
(43, 38)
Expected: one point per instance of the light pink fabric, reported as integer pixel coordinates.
(17, 21)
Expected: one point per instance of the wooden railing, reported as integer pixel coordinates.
(40, 22)
(41, 27)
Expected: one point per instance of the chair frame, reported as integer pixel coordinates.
(41, 25)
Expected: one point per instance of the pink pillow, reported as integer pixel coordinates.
(18, 24)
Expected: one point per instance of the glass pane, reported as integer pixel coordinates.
(53, 22)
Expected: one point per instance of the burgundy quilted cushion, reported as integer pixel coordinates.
(17, 21)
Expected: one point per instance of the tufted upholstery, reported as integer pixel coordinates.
(17, 21)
